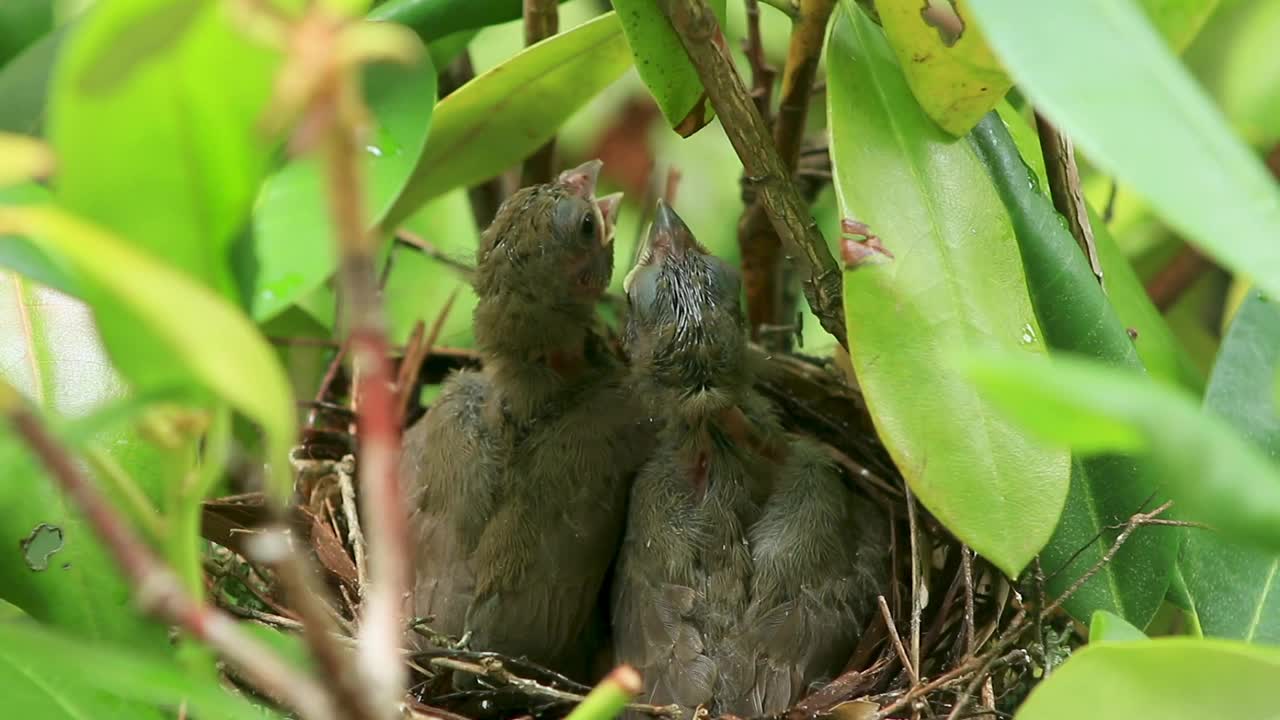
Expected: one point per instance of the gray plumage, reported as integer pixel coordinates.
(520, 471)
(747, 566)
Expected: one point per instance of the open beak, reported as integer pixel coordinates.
(581, 181)
(608, 207)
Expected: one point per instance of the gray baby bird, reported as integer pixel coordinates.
(520, 472)
(747, 567)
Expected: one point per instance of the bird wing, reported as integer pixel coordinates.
(656, 631)
(450, 465)
(818, 553)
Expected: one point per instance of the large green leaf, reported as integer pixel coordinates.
(163, 329)
(57, 571)
(1126, 101)
(1235, 588)
(1178, 21)
(155, 116)
(663, 64)
(500, 117)
(954, 76)
(1166, 678)
(294, 249)
(1077, 317)
(956, 283)
(1214, 475)
(52, 676)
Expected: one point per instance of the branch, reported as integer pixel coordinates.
(541, 21)
(158, 590)
(377, 423)
(696, 26)
(1064, 186)
(492, 669)
(761, 249)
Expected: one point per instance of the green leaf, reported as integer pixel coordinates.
(1167, 678)
(57, 570)
(294, 249)
(163, 329)
(952, 72)
(21, 23)
(54, 676)
(1161, 353)
(1126, 101)
(1109, 627)
(663, 64)
(155, 119)
(434, 19)
(500, 117)
(1077, 317)
(24, 84)
(1214, 475)
(1235, 588)
(957, 284)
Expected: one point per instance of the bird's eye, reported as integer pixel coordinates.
(587, 226)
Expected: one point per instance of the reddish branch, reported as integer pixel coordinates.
(377, 421)
(764, 168)
(159, 591)
(541, 21)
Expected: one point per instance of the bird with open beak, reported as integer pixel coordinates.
(747, 565)
(519, 472)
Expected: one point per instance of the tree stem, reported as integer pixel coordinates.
(700, 35)
(541, 21)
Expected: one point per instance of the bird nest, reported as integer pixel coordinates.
(952, 636)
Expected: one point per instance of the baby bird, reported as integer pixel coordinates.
(747, 566)
(520, 472)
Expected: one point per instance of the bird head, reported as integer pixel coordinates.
(685, 332)
(546, 259)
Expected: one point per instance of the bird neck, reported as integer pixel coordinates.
(746, 433)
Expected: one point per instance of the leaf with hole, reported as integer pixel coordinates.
(503, 115)
(54, 567)
(948, 65)
(956, 283)
(1127, 102)
(1235, 589)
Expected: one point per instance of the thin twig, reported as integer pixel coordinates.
(897, 641)
(1064, 187)
(464, 270)
(699, 33)
(966, 568)
(917, 582)
(355, 535)
(1132, 524)
(1109, 209)
(1167, 286)
(492, 669)
(158, 590)
(541, 21)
